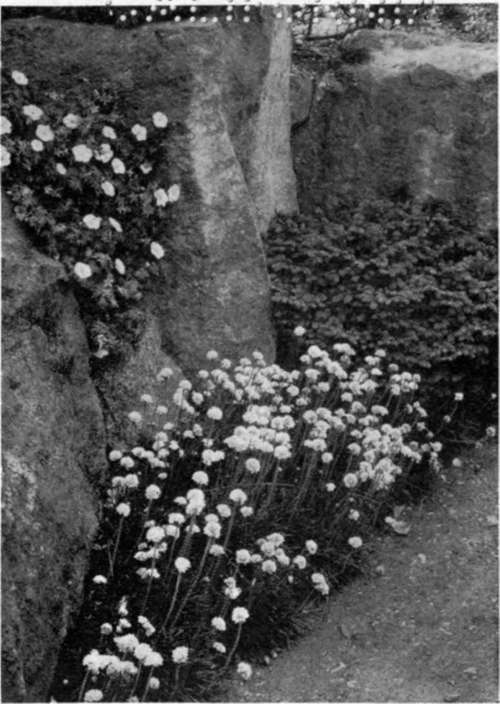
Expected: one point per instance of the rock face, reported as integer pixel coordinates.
(225, 92)
(417, 120)
(53, 449)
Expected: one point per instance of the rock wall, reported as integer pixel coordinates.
(419, 120)
(224, 89)
(53, 455)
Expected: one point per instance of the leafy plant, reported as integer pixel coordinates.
(90, 189)
(413, 279)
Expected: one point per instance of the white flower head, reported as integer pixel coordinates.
(92, 222)
(311, 547)
(120, 266)
(4, 156)
(115, 225)
(244, 670)
(174, 193)
(5, 125)
(157, 250)
(118, 166)
(218, 623)
(82, 153)
(161, 197)
(139, 132)
(239, 614)
(108, 188)
(108, 132)
(238, 496)
(71, 121)
(153, 492)
(299, 331)
(37, 145)
(123, 510)
(180, 655)
(61, 169)
(33, 112)
(19, 78)
(182, 564)
(93, 695)
(355, 542)
(160, 120)
(200, 478)
(83, 271)
(146, 168)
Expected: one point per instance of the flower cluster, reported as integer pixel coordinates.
(245, 505)
(91, 189)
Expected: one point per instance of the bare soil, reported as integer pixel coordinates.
(421, 624)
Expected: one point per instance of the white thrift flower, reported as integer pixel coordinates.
(99, 579)
(83, 271)
(223, 510)
(239, 614)
(154, 683)
(200, 478)
(155, 534)
(300, 561)
(61, 169)
(214, 413)
(72, 121)
(82, 153)
(243, 557)
(246, 511)
(218, 623)
(212, 354)
(153, 659)
(180, 655)
(115, 455)
(146, 168)
(152, 492)
(182, 564)
(161, 197)
(33, 112)
(93, 695)
(160, 120)
(350, 480)
(135, 417)
(106, 629)
(299, 331)
(139, 132)
(123, 510)
(157, 250)
(269, 566)
(218, 646)
(238, 496)
(459, 396)
(330, 486)
(37, 145)
(19, 78)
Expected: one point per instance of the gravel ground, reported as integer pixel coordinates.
(421, 625)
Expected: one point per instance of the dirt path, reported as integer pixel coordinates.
(421, 625)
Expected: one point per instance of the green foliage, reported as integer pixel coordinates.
(89, 187)
(411, 279)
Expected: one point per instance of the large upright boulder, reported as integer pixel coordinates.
(417, 120)
(53, 452)
(225, 91)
